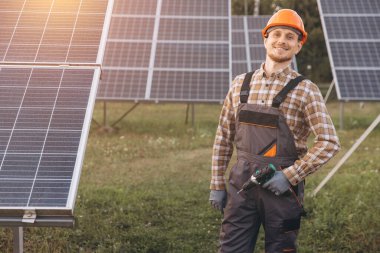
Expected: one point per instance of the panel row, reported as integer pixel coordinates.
(51, 31)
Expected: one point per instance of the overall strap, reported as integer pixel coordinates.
(244, 92)
(281, 96)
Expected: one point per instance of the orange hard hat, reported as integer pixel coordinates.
(286, 17)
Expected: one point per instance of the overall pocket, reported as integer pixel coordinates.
(257, 133)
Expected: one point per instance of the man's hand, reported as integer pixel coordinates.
(278, 184)
(218, 199)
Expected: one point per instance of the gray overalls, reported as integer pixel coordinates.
(262, 137)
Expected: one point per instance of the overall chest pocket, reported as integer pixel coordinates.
(257, 133)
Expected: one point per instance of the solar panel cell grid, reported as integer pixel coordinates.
(129, 28)
(124, 84)
(14, 5)
(61, 20)
(194, 30)
(140, 7)
(237, 23)
(239, 54)
(7, 115)
(353, 27)
(257, 23)
(90, 6)
(356, 84)
(351, 6)
(43, 109)
(75, 78)
(183, 39)
(31, 32)
(256, 64)
(30, 20)
(14, 165)
(168, 85)
(356, 54)
(32, 118)
(195, 8)
(352, 35)
(81, 54)
(40, 135)
(238, 38)
(258, 53)
(14, 192)
(10, 97)
(56, 166)
(239, 68)
(134, 55)
(256, 38)
(68, 119)
(191, 56)
(79, 38)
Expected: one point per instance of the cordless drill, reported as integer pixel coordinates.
(260, 176)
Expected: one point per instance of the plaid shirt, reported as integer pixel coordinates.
(304, 110)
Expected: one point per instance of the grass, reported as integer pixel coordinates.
(144, 188)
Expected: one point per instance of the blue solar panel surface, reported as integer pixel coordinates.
(51, 31)
(182, 54)
(43, 113)
(46, 109)
(352, 35)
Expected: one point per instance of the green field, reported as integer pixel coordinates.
(144, 188)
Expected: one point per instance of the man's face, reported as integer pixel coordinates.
(282, 44)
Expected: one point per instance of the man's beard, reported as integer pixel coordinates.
(279, 59)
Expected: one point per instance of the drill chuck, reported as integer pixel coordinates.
(260, 176)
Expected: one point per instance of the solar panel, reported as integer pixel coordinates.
(51, 31)
(352, 36)
(248, 51)
(46, 103)
(182, 54)
(45, 114)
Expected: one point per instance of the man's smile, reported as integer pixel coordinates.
(281, 48)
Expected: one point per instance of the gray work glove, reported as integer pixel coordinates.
(218, 199)
(278, 184)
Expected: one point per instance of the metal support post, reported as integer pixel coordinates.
(329, 91)
(18, 239)
(187, 114)
(348, 154)
(125, 114)
(104, 113)
(192, 115)
(341, 115)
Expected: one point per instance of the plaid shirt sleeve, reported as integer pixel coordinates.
(223, 144)
(326, 143)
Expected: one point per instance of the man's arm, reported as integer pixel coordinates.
(223, 144)
(326, 143)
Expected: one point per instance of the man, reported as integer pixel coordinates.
(269, 127)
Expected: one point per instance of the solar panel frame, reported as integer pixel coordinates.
(51, 214)
(352, 48)
(167, 38)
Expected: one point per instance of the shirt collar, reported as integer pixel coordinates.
(280, 73)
